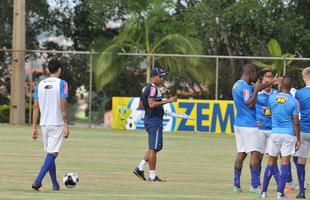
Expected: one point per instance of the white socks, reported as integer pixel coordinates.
(152, 174)
(142, 165)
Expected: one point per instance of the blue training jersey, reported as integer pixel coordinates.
(152, 116)
(263, 112)
(303, 97)
(283, 106)
(242, 92)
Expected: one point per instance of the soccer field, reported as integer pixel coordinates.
(196, 166)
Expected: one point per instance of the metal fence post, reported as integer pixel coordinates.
(153, 61)
(30, 92)
(284, 67)
(216, 78)
(90, 88)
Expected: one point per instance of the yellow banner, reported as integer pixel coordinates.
(209, 116)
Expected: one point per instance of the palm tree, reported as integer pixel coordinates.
(275, 50)
(137, 36)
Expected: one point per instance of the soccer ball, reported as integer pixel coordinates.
(70, 179)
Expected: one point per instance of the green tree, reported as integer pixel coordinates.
(142, 34)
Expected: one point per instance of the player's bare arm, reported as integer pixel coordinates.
(64, 112)
(35, 117)
(155, 104)
(297, 131)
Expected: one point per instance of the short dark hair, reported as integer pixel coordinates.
(287, 83)
(53, 66)
(248, 68)
(265, 71)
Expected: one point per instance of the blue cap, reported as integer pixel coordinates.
(158, 72)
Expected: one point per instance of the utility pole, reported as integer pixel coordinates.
(17, 109)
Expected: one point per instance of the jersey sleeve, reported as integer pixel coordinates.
(36, 95)
(295, 109)
(63, 89)
(152, 92)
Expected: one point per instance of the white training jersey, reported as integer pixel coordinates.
(49, 92)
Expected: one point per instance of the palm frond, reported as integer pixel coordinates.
(274, 48)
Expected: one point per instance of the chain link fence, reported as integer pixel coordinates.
(89, 107)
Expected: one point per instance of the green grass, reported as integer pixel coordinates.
(196, 166)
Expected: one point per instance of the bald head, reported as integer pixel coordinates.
(286, 83)
(248, 69)
(249, 73)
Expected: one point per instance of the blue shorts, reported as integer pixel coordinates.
(155, 137)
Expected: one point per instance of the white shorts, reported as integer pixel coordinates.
(281, 144)
(264, 139)
(304, 146)
(52, 137)
(247, 139)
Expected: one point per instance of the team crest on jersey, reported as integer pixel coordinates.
(48, 87)
(281, 100)
(267, 111)
(246, 94)
(235, 86)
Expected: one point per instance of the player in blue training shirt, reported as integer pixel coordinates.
(263, 117)
(285, 136)
(151, 101)
(245, 128)
(51, 104)
(303, 97)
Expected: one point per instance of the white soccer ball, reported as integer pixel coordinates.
(71, 180)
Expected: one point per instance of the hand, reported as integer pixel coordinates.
(173, 99)
(259, 124)
(297, 145)
(257, 86)
(66, 131)
(277, 80)
(35, 133)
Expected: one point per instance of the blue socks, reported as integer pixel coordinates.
(301, 177)
(289, 177)
(276, 174)
(283, 177)
(237, 179)
(267, 175)
(50, 158)
(52, 171)
(255, 178)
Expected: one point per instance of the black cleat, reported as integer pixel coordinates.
(139, 173)
(56, 187)
(156, 179)
(36, 186)
(300, 196)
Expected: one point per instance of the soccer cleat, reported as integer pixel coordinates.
(139, 173)
(263, 195)
(37, 187)
(281, 196)
(238, 189)
(255, 190)
(289, 189)
(300, 196)
(156, 179)
(56, 187)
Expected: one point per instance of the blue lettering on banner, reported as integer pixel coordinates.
(217, 114)
(202, 117)
(188, 109)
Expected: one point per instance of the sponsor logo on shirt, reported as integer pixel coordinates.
(281, 100)
(246, 94)
(48, 87)
(267, 111)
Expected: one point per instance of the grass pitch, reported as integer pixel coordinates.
(196, 166)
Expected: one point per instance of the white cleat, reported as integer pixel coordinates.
(281, 196)
(263, 195)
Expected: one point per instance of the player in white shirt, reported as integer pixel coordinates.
(50, 101)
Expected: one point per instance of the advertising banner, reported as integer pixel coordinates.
(207, 115)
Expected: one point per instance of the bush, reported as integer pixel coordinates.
(5, 113)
